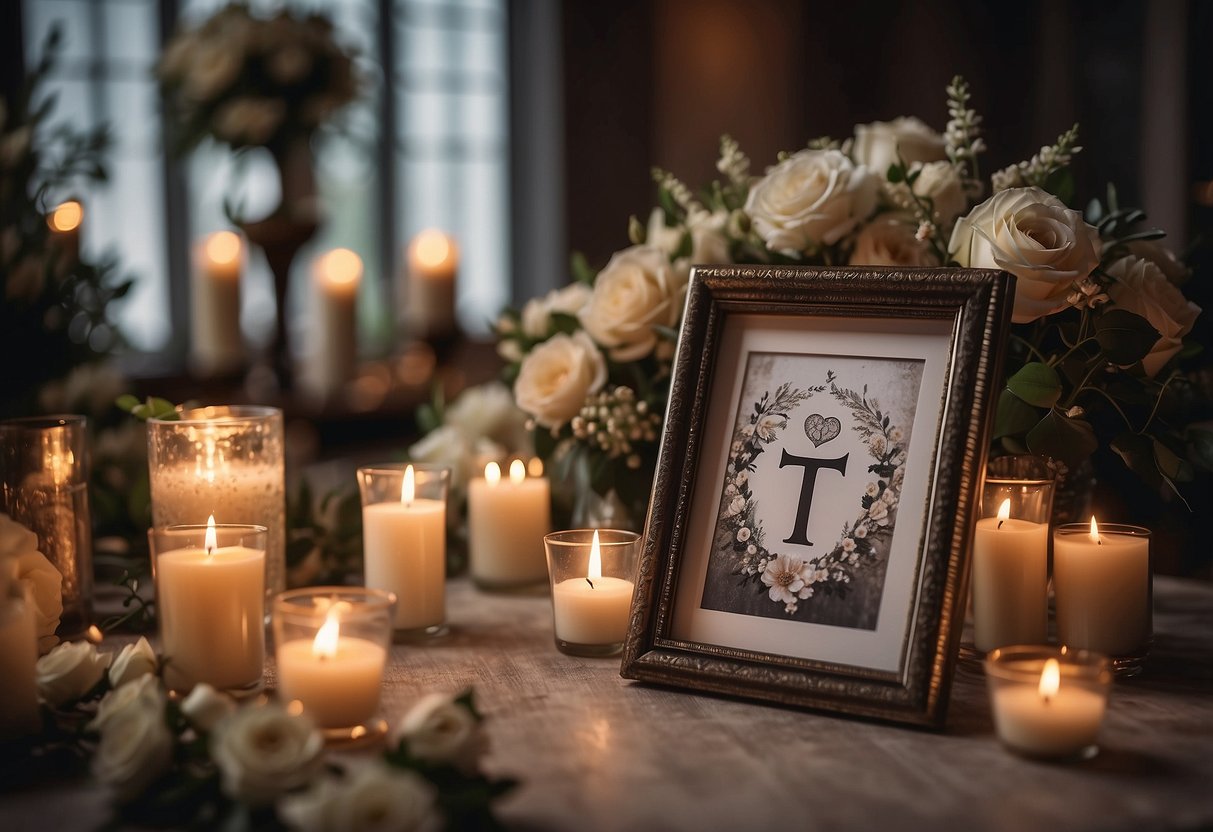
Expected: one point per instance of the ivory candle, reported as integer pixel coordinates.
(1101, 578)
(337, 277)
(65, 223)
(19, 715)
(506, 524)
(336, 677)
(216, 345)
(433, 261)
(1010, 581)
(592, 610)
(1049, 719)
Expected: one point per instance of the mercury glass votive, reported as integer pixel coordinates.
(1048, 702)
(331, 645)
(44, 485)
(591, 573)
(210, 600)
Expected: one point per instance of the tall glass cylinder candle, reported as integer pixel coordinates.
(592, 573)
(210, 599)
(226, 461)
(44, 485)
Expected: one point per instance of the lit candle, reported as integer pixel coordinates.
(1010, 581)
(433, 260)
(216, 345)
(592, 610)
(336, 677)
(506, 524)
(1101, 578)
(211, 603)
(19, 713)
(337, 276)
(1045, 717)
(404, 545)
(65, 223)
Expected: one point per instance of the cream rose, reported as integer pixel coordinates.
(537, 313)
(556, 377)
(1142, 287)
(38, 578)
(372, 796)
(890, 241)
(811, 198)
(440, 730)
(878, 144)
(637, 290)
(709, 236)
(136, 746)
(135, 660)
(206, 707)
(1163, 257)
(1034, 236)
(69, 671)
(263, 752)
(142, 694)
(940, 182)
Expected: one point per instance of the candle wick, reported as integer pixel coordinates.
(999, 526)
(1046, 699)
(1099, 541)
(591, 583)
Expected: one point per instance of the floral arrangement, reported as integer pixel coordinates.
(1100, 318)
(204, 760)
(255, 82)
(27, 574)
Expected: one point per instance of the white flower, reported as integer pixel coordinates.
(537, 313)
(657, 234)
(1142, 287)
(742, 478)
(940, 182)
(1034, 236)
(730, 489)
(890, 241)
(373, 796)
(769, 426)
(488, 411)
(709, 238)
(848, 545)
(509, 350)
(879, 512)
(872, 489)
(638, 290)
(69, 671)
(810, 199)
(38, 578)
(1161, 256)
(736, 506)
(878, 444)
(751, 550)
(263, 751)
(743, 534)
(556, 377)
(143, 693)
(133, 661)
(440, 730)
(896, 435)
(787, 579)
(136, 746)
(205, 707)
(877, 145)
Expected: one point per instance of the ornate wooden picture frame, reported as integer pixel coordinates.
(816, 486)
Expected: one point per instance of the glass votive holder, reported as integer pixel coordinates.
(1011, 554)
(592, 573)
(331, 645)
(509, 512)
(1048, 702)
(1103, 588)
(404, 542)
(225, 461)
(44, 486)
(210, 599)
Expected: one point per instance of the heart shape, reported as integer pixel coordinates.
(821, 430)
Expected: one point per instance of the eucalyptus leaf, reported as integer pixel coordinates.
(564, 322)
(1061, 437)
(582, 273)
(1125, 337)
(1013, 416)
(1170, 464)
(1037, 384)
(1137, 453)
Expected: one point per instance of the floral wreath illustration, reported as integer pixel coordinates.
(788, 579)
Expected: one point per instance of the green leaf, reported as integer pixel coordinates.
(1060, 183)
(686, 245)
(1037, 384)
(1200, 444)
(1014, 415)
(582, 273)
(1137, 453)
(896, 173)
(1171, 465)
(564, 322)
(1125, 337)
(1060, 437)
(126, 402)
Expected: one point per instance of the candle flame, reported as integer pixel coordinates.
(595, 571)
(1050, 680)
(67, 217)
(1095, 531)
(211, 542)
(340, 267)
(517, 471)
(325, 644)
(94, 634)
(492, 473)
(432, 248)
(1004, 512)
(408, 487)
(223, 247)
(534, 468)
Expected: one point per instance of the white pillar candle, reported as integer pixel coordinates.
(1010, 581)
(404, 551)
(19, 715)
(433, 261)
(1102, 586)
(211, 603)
(336, 677)
(1050, 720)
(216, 345)
(337, 276)
(592, 610)
(507, 520)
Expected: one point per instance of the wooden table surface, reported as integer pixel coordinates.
(596, 752)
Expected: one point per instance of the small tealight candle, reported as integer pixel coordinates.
(216, 345)
(332, 645)
(507, 520)
(590, 605)
(1048, 702)
(433, 261)
(65, 223)
(337, 277)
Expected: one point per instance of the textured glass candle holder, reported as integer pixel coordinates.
(591, 600)
(331, 646)
(210, 600)
(44, 485)
(1048, 712)
(223, 461)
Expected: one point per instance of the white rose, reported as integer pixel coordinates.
(1142, 287)
(1161, 256)
(69, 671)
(1034, 236)
(440, 730)
(373, 796)
(556, 377)
(38, 578)
(638, 289)
(135, 660)
(136, 746)
(657, 234)
(537, 313)
(709, 237)
(890, 241)
(940, 182)
(812, 198)
(263, 752)
(877, 145)
(142, 694)
(486, 410)
(736, 506)
(206, 707)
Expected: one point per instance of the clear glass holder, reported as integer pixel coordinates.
(592, 574)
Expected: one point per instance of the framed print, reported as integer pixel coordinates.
(816, 486)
